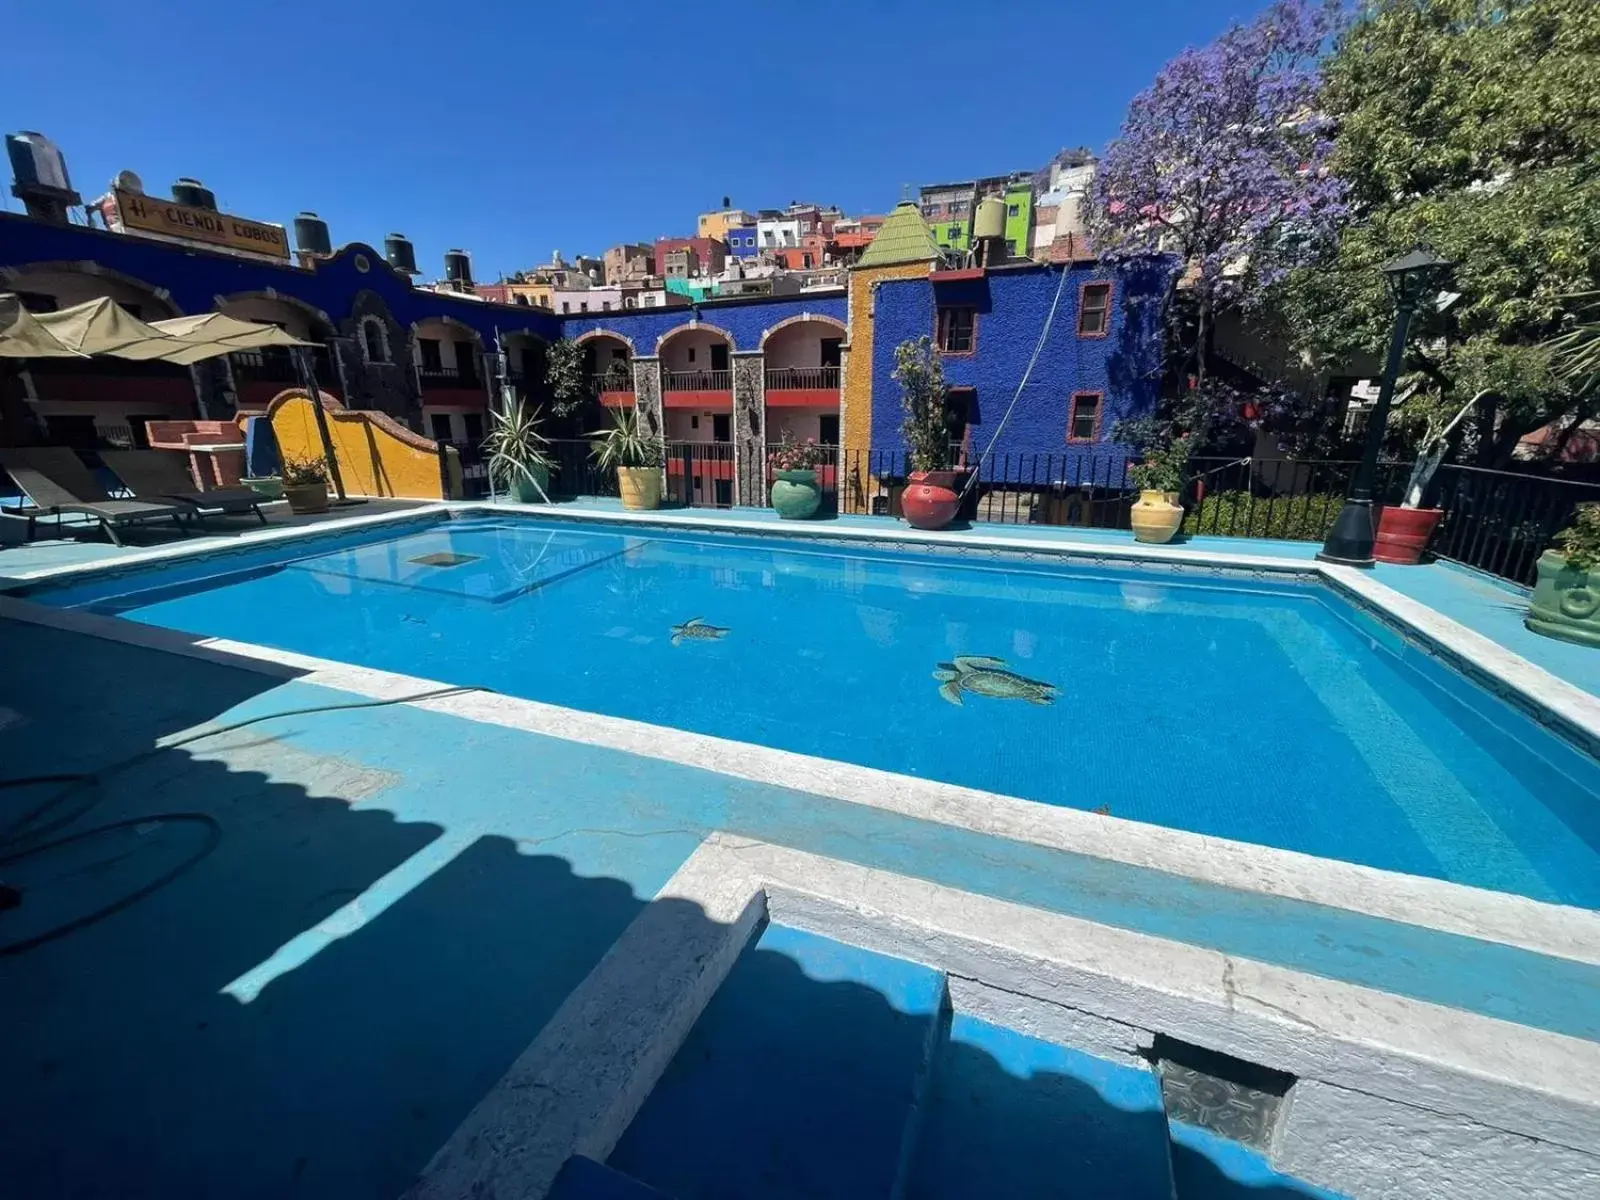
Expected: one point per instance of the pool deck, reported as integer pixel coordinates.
(373, 910)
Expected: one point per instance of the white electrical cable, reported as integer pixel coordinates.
(1044, 336)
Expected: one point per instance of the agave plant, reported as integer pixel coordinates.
(515, 449)
(628, 443)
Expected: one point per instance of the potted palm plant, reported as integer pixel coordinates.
(930, 500)
(637, 456)
(517, 458)
(1566, 596)
(305, 484)
(1157, 516)
(796, 494)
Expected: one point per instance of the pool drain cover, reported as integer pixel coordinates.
(1236, 1099)
(444, 558)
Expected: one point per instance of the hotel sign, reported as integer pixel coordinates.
(149, 214)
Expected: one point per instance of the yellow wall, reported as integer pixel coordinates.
(377, 456)
(856, 401)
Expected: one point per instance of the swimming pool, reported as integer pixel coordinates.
(1266, 711)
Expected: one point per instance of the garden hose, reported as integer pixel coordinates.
(18, 838)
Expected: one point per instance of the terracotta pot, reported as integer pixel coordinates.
(1156, 516)
(1403, 533)
(795, 494)
(930, 500)
(640, 487)
(307, 497)
(1566, 601)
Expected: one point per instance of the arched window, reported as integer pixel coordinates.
(375, 340)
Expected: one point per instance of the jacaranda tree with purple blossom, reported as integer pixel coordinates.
(1223, 162)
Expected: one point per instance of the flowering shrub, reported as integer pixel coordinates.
(798, 456)
(1163, 467)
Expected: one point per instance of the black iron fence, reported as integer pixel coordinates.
(1497, 521)
(1501, 521)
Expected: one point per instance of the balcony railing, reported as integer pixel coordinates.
(448, 377)
(697, 381)
(811, 379)
(276, 365)
(610, 382)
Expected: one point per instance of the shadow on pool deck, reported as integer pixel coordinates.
(131, 1069)
(247, 1030)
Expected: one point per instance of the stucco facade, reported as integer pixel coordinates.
(1120, 369)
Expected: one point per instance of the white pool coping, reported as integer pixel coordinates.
(1432, 1073)
(1557, 930)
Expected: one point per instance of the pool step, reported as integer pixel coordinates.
(802, 1078)
(1010, 1115)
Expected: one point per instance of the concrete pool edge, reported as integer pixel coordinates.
(1558, 931)
(1435, 1074)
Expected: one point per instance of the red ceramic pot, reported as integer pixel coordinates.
(1403, 533)
(930, 500)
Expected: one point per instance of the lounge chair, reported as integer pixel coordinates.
(57, 482)
(164, 475)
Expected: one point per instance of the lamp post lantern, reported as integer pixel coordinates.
(1411, 279)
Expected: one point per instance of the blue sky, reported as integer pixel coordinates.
(514, 127)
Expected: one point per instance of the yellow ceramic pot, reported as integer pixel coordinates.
(1156, 516)
(640, 487)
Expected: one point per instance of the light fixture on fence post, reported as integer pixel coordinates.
(1411, 279)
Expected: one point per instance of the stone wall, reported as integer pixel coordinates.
(749, 427)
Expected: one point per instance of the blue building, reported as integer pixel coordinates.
(1099, 360)
(742, 241)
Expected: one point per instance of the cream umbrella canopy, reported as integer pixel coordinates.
(102, 326)
(22, 336)
(210, 334)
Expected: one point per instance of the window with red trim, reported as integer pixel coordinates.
(1094, 310)
(1083, 422)
(957, 329)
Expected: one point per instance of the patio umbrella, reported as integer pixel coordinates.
(210, 334)
(22, 336)
(102, 326)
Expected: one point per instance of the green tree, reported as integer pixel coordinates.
(563, 375)
(1473, 126)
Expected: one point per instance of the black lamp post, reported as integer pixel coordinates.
(1412, 279)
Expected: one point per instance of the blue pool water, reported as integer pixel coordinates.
(1269, 712)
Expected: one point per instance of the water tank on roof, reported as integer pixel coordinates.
(194, 193)
(41, 179)
(991, 219)
(458, 267)
(401, 255)
(36, 161)
(311, 234)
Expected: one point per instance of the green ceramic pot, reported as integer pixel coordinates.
(1566, 601)
(523, 490)
(795, 494)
